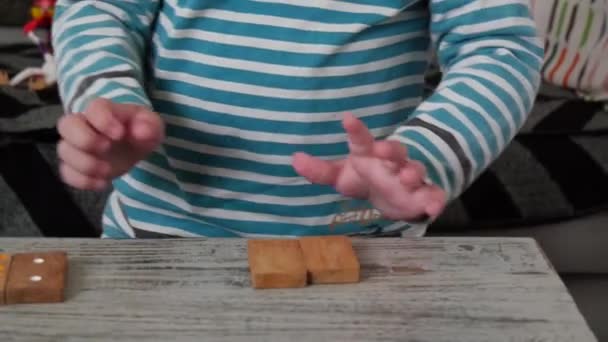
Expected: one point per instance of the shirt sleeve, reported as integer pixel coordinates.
(490, 56)
(100, 48)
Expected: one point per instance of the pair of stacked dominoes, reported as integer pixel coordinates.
(27, 278)
(295, 263)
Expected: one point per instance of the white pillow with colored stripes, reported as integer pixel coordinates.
(576, 44)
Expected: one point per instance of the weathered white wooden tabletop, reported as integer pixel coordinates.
(455, 289)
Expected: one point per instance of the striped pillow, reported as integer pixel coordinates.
(576, 44)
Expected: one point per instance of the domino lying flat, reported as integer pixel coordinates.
(289, 263)
(330, 260)
(276, 264)
(33, 277)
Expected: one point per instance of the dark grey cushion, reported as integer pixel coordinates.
(14, 12)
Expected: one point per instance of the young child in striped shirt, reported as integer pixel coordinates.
(261, 118)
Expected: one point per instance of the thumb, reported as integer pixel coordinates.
(316, 170)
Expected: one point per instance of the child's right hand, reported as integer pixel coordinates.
(105, 142)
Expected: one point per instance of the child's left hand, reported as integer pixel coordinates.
(378, 171)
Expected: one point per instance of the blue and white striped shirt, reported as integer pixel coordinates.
(243, 84)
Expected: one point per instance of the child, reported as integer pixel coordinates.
(259, 118)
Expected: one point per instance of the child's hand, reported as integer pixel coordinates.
(378, 171)
(105, 142)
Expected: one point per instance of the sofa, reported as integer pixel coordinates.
(551, 183)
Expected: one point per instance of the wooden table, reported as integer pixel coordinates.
(435, 289)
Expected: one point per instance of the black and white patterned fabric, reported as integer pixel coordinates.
(555, 169)
(33, 200)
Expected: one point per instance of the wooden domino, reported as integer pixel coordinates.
(4, 78)
(276, 263)
(330, 260)
(5, 262)
(36, 278)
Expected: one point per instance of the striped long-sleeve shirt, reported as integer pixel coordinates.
(243, 84)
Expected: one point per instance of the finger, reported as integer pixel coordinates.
(386, 191)
(395, 201)
(80, 181)
(392, 153)
(412, 174)
(360, 140)
(390, 150)
(83, 162)
(433, 198)
(146, 130)
(100, 113)
(134, 115)
(316, 170)
(373, 171)
(80, 134)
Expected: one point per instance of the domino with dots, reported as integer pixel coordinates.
(28, 278)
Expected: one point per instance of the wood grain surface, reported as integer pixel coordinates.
(435, 289)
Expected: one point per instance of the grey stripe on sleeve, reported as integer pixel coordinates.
(90, 79)
(451, 141)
